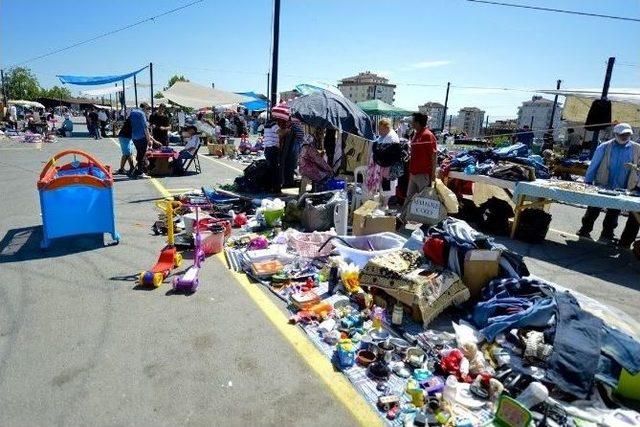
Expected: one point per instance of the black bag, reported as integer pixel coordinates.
(385, 155)
(599, 116)
(256, 177)
(494, 216)
(533, 225)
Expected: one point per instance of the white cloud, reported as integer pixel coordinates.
(428, 64)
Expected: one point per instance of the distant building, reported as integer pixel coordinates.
(470, 121)
(366, 86)
(435, 111)
(288, 94)
(537, 115)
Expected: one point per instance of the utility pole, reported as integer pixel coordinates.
(151, 82)
(450, 118)
(4, 88)
(555, 104)
(124, 100)
(274, 57)
(486, 125)
(268, 90)
(135, 89)
(605, 92)
(446, 103)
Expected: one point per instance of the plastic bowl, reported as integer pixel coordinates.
(362, 251)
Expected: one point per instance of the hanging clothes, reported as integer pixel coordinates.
(356, 152)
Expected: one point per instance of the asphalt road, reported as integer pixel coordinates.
(80, 344)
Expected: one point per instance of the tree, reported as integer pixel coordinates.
(56, 92)
(21, 83)
(176, 78)
(158, 95)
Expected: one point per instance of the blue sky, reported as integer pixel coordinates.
(412, 42)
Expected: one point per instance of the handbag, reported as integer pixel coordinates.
(425, 207)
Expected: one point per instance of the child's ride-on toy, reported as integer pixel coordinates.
(189, 281)
(169, 257)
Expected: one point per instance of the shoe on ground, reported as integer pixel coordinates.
(120, 172)
(144, 175)
(584, 235)
(606, 238)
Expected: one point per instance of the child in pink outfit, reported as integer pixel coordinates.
(311, 163)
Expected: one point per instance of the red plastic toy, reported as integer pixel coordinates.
(169, 257)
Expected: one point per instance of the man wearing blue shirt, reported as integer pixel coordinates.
(610, 168)
(525, 136)
(141, 137)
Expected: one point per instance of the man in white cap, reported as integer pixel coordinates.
(610, 169)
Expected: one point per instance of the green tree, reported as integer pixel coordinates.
(56, 92)
(21, 83)
(158, 95)
(176, 78)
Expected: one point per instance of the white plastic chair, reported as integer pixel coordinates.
(386, 195)
(360, 193)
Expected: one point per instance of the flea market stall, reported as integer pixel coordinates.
(440, 327)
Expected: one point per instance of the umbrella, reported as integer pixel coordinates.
(324, 109)
(375, 107)
(311, 87)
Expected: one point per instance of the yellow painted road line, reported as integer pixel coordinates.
(335, 381)
(221, 163)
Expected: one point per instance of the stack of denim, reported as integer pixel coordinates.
(585, 349)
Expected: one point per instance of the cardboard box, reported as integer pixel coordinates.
(365, 223)
(480, 267)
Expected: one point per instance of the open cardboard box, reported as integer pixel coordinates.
(480, 267)
(364, 222)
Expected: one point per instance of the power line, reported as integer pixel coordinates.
(549, 9)
(80, 43)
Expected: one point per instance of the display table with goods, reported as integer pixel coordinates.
(160, 161)
(484, 179)
(539, 193)
(446, 327)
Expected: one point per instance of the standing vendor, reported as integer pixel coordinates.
(422, 162)
(160, 125)
(291, 137)
(607, 169)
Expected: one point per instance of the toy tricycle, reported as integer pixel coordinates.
(169, 257)
(189, 281)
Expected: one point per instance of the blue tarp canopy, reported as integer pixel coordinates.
(96, 80)
(258, 103)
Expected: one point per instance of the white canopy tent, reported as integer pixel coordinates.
(195, 96)
(28, 104)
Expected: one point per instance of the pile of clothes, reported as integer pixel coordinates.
(511, 163)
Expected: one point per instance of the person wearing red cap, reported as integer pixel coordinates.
(291, 137)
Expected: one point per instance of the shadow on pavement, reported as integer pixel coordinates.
(601, 261)
(22, 244)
